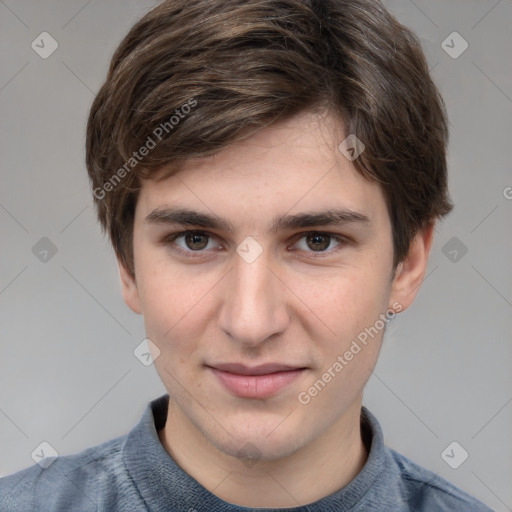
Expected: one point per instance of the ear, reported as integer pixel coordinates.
(129, 289)
(411, 271)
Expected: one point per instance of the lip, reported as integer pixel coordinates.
(261, 369)
(255, 382)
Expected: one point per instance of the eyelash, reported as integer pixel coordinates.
(169, 239)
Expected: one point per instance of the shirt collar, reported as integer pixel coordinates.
(163, 484)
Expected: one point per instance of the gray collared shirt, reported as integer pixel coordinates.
(134, 473)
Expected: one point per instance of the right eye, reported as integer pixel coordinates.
(191, 242)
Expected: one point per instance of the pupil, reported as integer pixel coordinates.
(315, 240)
(192, 239)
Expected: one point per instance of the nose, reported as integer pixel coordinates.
(254, 305)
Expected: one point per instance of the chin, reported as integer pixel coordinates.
(260, 444)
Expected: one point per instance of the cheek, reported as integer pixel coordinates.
(173, 301)
(349, 304)
(344, 301)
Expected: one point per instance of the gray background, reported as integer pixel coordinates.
(67, 370)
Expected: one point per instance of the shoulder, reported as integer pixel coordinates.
(80, 482)
(425, 491)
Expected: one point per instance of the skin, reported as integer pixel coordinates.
(286, 306)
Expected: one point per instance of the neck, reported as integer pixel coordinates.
(314, 471)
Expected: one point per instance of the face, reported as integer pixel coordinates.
(253, 291)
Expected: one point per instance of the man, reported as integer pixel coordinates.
(269, 174)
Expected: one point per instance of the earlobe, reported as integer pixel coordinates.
(411, 271)
(129, 289)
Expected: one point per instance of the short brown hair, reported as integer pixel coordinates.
(241, 65)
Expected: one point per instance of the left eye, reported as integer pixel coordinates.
(318, 241)
(195, 241)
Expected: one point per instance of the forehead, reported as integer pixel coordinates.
(288, 167)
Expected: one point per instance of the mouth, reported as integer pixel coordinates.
(260, 382)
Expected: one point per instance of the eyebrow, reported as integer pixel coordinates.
(188, 217)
